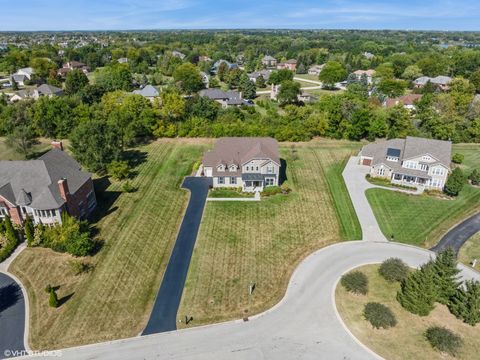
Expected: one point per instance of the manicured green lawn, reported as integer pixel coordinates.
(228, 193)
(420, 220)
(263, 242)
(9, 153)
(472, 155)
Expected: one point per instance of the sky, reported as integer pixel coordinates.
(31, 15)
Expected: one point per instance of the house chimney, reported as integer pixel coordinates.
(57, 145)
(63, 187)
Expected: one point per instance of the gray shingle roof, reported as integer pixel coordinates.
(147, 91)
(239, 150)
(35, 182)
(46, 89)
(230, 97)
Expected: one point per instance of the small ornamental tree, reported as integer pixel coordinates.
(443, 340)
(445, 277)
(475, 177)
(455, 182)
(53, 299)
(417, 291)
(118, 169)
(457, 158)
(393, 269)
(260, 83)
(379, 315)
(29, 231)
(465, 303)
(355, 282)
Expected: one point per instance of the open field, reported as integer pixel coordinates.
(406, 340)
(9, 153)
(307, 77)
(262, 242)
(138, 230)
(470, 251)
(420, 219)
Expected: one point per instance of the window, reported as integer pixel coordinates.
(233, 180)
(426, 158)
(269, 181)
(381, 171)
(438, 171)
(270, 169)
(392, 158)
(3, 211)
(247, 168)
(233, 168)
(410, 165)
(257, 168)
(221, 180)
(424, 167)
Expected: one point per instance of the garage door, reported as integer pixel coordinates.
(367, 162)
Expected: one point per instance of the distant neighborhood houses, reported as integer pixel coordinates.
(315, 69)
(407, 101)
(42, 90)
(262, 73)
(369, 74)
(73, 65)
(269, 61)
(150, 92)
(412, 161)
(250, 163)
(224, 98)
(441, 81)
(217, 64)
(289, 65)
(22, 75)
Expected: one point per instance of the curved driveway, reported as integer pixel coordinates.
(12, 315)
(164, 313)
(457, 236)
(304, 325)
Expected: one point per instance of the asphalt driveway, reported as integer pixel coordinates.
(457, 236)
(164, 314)
(12, 316)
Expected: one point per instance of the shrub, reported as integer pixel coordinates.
(393, 269)
(285, 187)
(455, 182)
(458, 158)
(475, 177)
(355, 282)
(48, 289)
(417, 291)
(128, 187)
(443, 340)
(10, 237)
(53, 299)
(118, 170)
(29, 231)
(78, 267)
(271, 190)
(379, 315)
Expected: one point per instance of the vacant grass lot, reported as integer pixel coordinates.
(420, 220)
(138, 230)
(470, 251)
(406, 340)
(262, 242)
(471, 152)
(9, 153)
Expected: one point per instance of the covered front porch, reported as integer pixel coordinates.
(253, 182)
(409, 180)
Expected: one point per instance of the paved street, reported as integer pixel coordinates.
(164, 313)
(457, 236)
(12, 315)
(304, 325)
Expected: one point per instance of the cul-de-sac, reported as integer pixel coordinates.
(273, 180)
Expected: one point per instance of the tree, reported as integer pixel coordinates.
(417, 291)
(475, 177)
(247, 87)
(29, 230)
(465, 303)
(222, 71)
(42, 66)
(393, 269)
(95, 144)
(118, 169)
(332, 72)
(260, 83)
(392, 87)
(115, 77)
(399, 122)
(75, 81)
(188, 77)
(19, 126)
(475, 80)
(455, 182)
(279, 76)
(457, 158)
(233, 78)
(53, 299)
(412, 72)
(445, 275)
(289, 91)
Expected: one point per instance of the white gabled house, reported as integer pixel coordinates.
(419, 162)
(247, 162)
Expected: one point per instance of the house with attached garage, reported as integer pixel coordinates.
(43, 189)
(418, 162)
(248, 162)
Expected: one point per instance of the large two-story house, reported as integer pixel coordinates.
(247, 162)
(412, 161)
(44, 188)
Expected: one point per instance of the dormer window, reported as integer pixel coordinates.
(233, 167)
(426, 158)
(393, 154)
(220, 167)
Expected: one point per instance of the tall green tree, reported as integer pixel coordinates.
(332, 72)
(188, 77)
(75, 81)
(465, 303)
(445, 275)
(417, 292)
(288, 93)
(247, 87)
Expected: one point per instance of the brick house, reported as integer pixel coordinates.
(289, 64)
(44, 188)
